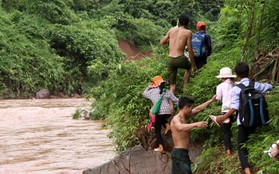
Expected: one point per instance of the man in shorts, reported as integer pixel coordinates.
(181, 133)
(178, 38)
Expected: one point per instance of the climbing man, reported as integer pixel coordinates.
(178, 38)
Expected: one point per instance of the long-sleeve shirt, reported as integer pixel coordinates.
(262, 87)
(153, 94)
(223, 92)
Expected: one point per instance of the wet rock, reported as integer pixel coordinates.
(143, 159)
(43, 94)
(84, 113)
(61, 95)
(75, 95)
(136, 161)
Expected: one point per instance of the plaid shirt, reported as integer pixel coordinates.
(153, 94)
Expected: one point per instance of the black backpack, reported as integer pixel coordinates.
(253, 110)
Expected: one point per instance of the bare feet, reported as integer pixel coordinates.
(159, 149)
(247, 170)
(229, 152)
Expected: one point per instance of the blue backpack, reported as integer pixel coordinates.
(198, 44)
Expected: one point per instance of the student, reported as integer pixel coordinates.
(223, 92)
(242, 73)
(178, 38)
(201, 40)
(181, 133)
(153, 92)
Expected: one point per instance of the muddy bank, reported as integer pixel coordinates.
(132, 52)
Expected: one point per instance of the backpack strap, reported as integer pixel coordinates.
(251, 84)
(242, 86)
(206, 42)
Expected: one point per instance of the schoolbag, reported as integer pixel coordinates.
(199, 44)
(157, 105)
(253, 111)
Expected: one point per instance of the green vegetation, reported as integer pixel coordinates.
(71, 46)
(55, 44)
(47, 45)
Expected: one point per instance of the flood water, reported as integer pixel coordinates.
(40, 137)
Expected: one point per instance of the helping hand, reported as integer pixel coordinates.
(214, 99)
(202, 124)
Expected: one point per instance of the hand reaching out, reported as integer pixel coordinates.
(201, 124)
(214, 99)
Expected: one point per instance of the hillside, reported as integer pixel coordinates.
(72, 46)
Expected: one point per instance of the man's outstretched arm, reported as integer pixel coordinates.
(221, 118)
(204, 105)
(187, 126)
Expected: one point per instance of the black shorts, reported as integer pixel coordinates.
(180, 161)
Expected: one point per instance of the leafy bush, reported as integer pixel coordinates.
(55, 11)
(141, 31)
(25, 65)
(85, 46)
(60, 53)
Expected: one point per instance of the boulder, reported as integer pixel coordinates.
(143, 159)
(136, 160)
(43, 94)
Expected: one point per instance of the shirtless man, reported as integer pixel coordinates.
(181, 133)
(178, 38)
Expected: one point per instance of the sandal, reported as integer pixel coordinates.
(214, 119)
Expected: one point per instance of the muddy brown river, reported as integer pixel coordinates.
(40, 137)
